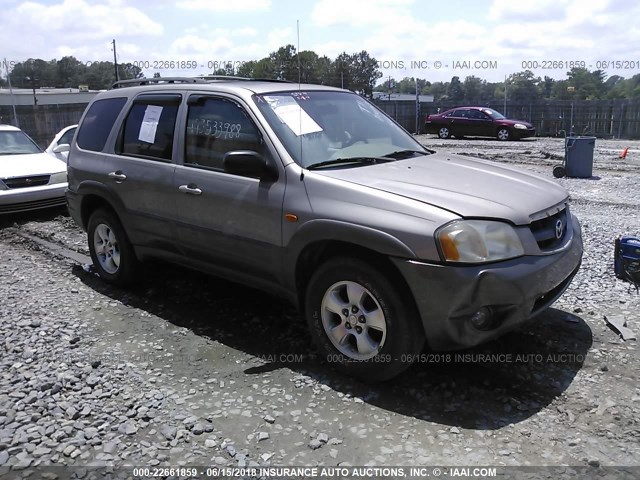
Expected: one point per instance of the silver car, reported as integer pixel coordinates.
(29, 178)
(314, 194)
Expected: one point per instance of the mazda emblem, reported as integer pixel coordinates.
(559, 229)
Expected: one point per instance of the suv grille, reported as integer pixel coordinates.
(22, 182)
(546, 230)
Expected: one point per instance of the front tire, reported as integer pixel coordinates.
(361, 322)
(112, 254)
(503, 134)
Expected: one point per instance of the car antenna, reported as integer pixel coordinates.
(299, 88)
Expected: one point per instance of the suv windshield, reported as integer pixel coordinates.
(327, 127)
(16, 143)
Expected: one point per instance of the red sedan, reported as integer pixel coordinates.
(477, 122)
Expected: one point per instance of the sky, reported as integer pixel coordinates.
(422, 38)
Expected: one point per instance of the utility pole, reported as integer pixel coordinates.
(115, 60)
(13, 100)
(417, 108)
(505, 96)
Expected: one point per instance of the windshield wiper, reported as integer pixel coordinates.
(338, 161)
(398, 154)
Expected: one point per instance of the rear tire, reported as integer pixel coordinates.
(444, 132)
(361, 322)
(112, 254)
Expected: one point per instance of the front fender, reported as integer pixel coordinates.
(315, 231)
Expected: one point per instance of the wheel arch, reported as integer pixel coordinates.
(309, 250)
(95, 195)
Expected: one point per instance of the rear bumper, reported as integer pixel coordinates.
(514, 290)
(32, 198)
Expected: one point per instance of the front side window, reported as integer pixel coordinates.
(149, 127)
(98, 122)
(216, 126)
(328, 126)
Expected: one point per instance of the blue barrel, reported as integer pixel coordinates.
(578, 157)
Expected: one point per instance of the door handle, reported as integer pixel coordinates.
(118, 176)
(191, 189)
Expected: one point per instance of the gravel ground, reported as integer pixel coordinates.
(186, 369)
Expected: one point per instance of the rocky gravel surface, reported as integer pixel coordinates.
(186, 369)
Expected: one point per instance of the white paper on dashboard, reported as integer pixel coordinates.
(150, 124)
(291, 114)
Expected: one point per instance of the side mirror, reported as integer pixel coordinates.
(247, 163)
(62, 148)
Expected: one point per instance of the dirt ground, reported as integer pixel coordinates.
(233, 373)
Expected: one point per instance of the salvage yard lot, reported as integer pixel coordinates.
(186, 369)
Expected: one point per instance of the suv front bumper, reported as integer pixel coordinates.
(515, 290)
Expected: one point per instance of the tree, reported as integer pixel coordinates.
(474, 90)
(228, 70)
(128, 71)
(365, 73)
(343, 71)
(247, 69)
(99, 75)
(546, 87)
(523, 86)
(438, 90)
(70, 72)
(283, 63)
(585, 84)
(455, 90)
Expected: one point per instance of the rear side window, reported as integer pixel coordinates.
(98, 122)
(216, 126)
(149, 127)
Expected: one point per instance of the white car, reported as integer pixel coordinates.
(29, 177)
(59, 147)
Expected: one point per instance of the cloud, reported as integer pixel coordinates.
(72, 27)
(225, 7)
(226, 45)
(358, 13)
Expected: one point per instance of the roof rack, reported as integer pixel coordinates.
(248, 79)
(147, 81)
(222, 77)
(200, 79)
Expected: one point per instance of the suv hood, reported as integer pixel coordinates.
(462, 185)
(30, 164)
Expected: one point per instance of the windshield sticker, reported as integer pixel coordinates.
(301, 96)
(367, 108)
(292, 115)
(150, 124)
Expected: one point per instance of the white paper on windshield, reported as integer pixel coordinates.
(291, 114)
(150, 124)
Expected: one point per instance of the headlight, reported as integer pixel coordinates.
(60, 177)
(520, 126)
(477, 241)
(3, 186)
